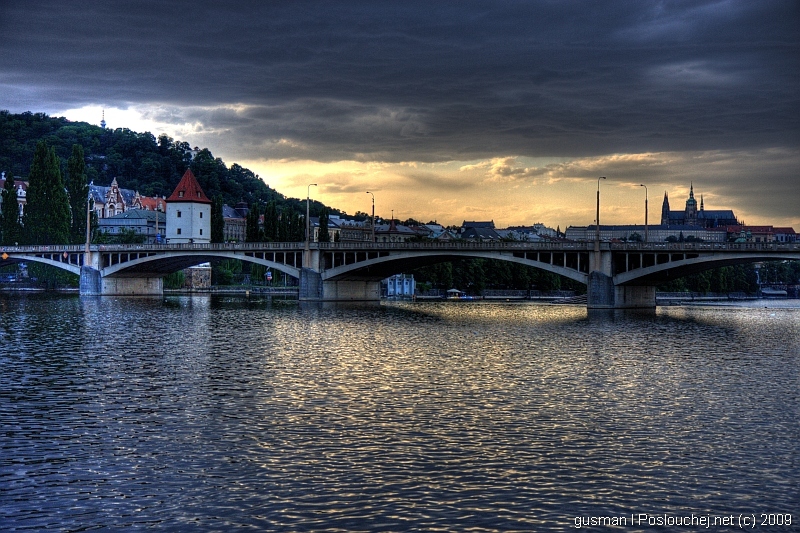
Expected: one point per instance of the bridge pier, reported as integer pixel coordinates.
(314, 288)
(602, 293)
(91, 281)
(92, 284)
(145, 286)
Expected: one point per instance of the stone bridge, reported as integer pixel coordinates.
(617, 275)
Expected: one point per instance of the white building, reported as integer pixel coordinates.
(188, 213)
(400, 286)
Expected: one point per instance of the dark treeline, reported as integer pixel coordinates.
(477, 275)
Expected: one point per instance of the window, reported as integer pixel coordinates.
(179, 231)
(201, 214)
(201, 231)
(179, 214)
(180, 194)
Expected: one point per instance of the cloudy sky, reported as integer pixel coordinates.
(444, 110)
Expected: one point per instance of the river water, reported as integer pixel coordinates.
(227, 414)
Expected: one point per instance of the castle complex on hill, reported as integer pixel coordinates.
(692, 216)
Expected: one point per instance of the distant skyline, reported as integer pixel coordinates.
(445, 111)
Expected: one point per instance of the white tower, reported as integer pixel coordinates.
(188, 213)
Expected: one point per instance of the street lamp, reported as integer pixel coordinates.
(597, 220)
(373, 216)
(645, 211)
(89, 218)
(308, 223)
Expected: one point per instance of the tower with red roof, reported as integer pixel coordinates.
(188, 213)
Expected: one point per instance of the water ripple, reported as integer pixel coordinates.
(224, 414)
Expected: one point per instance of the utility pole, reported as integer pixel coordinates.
(645, 211)
(373, 216)
(308, 223)
(597, 220)
(88, 221)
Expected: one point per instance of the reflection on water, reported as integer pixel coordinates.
(226, 413)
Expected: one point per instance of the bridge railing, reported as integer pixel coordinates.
(452, 245)
(239, 246)
(424, 245)
(706, 246)
(50, 248)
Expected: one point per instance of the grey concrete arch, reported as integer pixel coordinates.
(396, 262)
(704, 261)
(163, 264)
(12, 259)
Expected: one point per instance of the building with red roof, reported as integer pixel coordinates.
(188, 212)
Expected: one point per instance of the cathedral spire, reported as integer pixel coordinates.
(690, 213)
(701, 203)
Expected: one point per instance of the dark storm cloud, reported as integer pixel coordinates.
(424, 81)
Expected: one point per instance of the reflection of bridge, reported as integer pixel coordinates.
(618, 275)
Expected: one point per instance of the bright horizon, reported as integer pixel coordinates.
(343, 184)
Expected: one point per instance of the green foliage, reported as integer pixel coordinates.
(51, 277)
(78, 190)
(225, 272)
(9, 217)
(780, 272)
(253, 231)
(739, 278)
(324, 235)
(271, 222)
(476, 275)
(127, 236)
(47, 218)
(221, 276)
(217, 220)
(175, 280)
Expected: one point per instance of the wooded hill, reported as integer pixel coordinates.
(139, 161)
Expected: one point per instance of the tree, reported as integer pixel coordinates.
(217, 220)
(46, 219)
(78, 191)
(271, 222)
(324, 234)
(9, 224)
(252, 228)
(127, 236)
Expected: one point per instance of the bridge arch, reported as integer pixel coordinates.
(667, 271)
(26, 258)
(384, 266)
(163, 264)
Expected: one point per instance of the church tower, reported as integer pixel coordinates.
(188, 212)
(690, 217)
(665, 211)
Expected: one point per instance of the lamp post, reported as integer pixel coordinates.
(308, 223)
(373, 216)
(88, 219)
(597, 220)
(645, 211)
